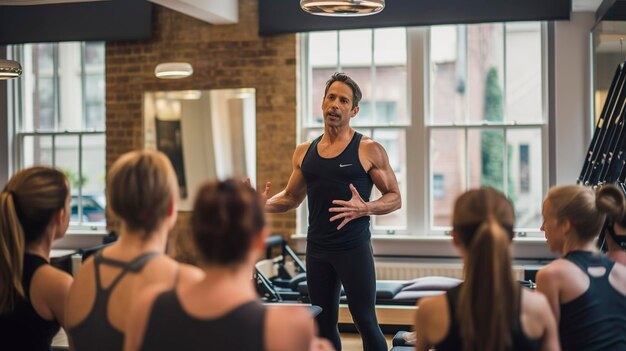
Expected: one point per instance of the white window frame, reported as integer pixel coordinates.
(16, 142)
(418, 131)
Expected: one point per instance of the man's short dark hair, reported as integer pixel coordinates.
(344, 78)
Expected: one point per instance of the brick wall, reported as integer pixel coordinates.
(224, 56)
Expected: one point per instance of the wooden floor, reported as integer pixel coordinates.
(352, 342)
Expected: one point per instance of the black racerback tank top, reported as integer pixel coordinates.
(96, 332)
(171, 328)
(23, 328)
(596, 320)
(328, 179)
(453, 342)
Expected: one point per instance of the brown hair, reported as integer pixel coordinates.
(140, 188)
(227, 216)
(610, 200)
(28, 203)
(344, 78)
(483, 222)
(578, 205)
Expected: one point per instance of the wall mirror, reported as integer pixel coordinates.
(207, 134)
(609, 50)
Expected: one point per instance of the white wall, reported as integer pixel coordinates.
(570, 109)
(4, 127)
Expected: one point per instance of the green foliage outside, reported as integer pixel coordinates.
(492, 141)
(75, 183)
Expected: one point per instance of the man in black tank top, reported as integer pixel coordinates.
(336, 172)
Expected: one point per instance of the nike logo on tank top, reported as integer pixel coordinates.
(329, 179)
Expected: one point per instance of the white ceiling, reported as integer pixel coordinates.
(212, 11)
(585, 5)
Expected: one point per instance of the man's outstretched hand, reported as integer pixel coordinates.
(349, 210)
(264, 194)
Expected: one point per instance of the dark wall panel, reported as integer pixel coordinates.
(611, 10)
(285, 16)
(89, 21)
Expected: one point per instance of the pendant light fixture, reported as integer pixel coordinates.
(9, 69)
(342, 8)
(173, 70)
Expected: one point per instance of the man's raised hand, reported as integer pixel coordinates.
(265, 192)
(349, 210)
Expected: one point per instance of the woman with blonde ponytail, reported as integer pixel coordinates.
(489, 310)
(34, 211)
(142, 194)
(586, 290)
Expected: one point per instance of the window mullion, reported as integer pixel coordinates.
(505, 97)
(83, 81)
(19, 150)
(418, 149)
(305, 109)
(505, 162)
(54, 150)
(57, 86)
(338, 52)
(80, 177)
(466, 157)
(373, 78)
(466, 73)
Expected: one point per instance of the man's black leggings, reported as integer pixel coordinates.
(354, 268)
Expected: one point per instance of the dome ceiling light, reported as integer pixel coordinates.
(173, 70)
(9, 69)
(342, 8)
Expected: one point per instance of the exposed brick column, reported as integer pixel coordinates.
(223, 56)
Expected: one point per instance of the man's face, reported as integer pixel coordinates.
(337, 105)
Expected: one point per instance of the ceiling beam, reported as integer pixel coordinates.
(212, 11)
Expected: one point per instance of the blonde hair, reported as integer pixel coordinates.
(483, 221)
(28, 203)
(140, 188)
(578, 205)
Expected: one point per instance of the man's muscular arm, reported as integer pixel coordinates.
(384, 179)
(295, 192)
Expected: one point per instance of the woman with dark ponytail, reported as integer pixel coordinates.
(489, 310)
(34, 211)
(610, 200)
(585, 289)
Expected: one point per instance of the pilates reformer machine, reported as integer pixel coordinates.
(282, 278)
(605, 160)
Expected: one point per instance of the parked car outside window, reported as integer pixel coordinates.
(93, 208)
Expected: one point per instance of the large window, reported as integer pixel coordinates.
(456, 107)
(377, 60)
(58, 109)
